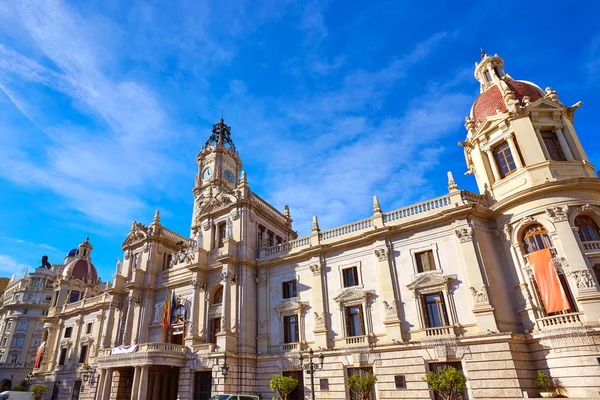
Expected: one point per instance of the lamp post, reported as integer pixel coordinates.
(225, 367)
(87, 372)
(310, 367)
(28, 379)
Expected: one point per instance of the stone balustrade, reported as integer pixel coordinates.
(345, 230)
(357, 340)
(203, 348)
(290, 347)
(439, 331)
(593, 246)
(267, 208)
(559, 321)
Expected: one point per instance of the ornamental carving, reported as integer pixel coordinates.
(261, 281)
(465, 234)
(480, 296)
(382, 253)
(291, 306)
(584, 280)
(353, 295)
(316, 269)
(504, 232)
(586, 207)
(558, 213)
(206, 224)
(528, 219)
(431, 281)
(226, 275)
(319, 319)
(390, 309)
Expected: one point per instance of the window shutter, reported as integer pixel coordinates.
(296, 328)
(443, 312)
(431, 260)
(347, 315)
(425, 313)
(361, 320)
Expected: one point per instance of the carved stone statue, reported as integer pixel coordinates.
(229, 232)
(318, 319)
(390, 310)
(480, 296)
(119, 265)
(138, 260)
(45, 263)
(198, 243)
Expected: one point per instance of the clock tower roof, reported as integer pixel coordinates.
(221, 136)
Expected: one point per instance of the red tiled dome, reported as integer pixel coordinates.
(486, 104)
(82, 269)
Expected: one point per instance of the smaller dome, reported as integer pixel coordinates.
(72, 253)
(492, 99)
(81, 269)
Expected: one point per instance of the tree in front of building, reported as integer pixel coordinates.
(39, 391)
(283, 385)
(449, 383)
(362, 384)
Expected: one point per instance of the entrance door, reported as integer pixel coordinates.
(202, 385)
(435, 367)
(298, 393)
(76, 390)
(55, 391)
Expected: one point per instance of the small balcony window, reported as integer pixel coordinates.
(434, 310)
(289, 289)
(354, 321)
(290, 329)
(504, 160)
(350, 276)
(425, 261)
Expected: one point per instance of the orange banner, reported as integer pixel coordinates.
(551, 291)
(39, 355)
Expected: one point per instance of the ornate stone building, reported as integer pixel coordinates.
(448, 281)
(23, 304)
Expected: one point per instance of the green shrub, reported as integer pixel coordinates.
(283, 385)
(39, 391)
(449, 383)
(362, 385)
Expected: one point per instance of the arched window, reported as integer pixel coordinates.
(536, 238)
(218, 296)
(588, 229)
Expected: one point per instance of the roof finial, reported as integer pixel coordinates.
(156, 217)
(376, 207)
(483, 53)
(286, 211)
(315, 224)
(451, 182)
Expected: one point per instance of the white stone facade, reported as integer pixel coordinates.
(443, 281)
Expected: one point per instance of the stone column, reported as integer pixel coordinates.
(156, 386)
(108, 325)
(563, 143)
(192, 333)
(493, 165)
(318, 306)
(107, 384)
(129, 320)
(224, 338)
(143, 383)
(100, 384)
(263, 312)
(513, 149)
(393, 325)
(136, 381)
(473, 273)
(541, 141)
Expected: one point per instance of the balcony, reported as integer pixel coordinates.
(145, 354)
(203, 348)
(591, 247)
(287, 347)
(559, 321)
(357, 341)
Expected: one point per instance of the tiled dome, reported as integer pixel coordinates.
(486, 104)
(82, 269)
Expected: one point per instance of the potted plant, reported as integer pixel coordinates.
(283, 385)
(39, 391)
(362, 385)
(546, 385)
(449, 383)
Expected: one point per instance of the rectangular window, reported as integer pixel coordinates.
(19, 342)
(74, 296)
(83, 354)
(270, 239)
(504, 160)
(350, 276)
(68, 332)
(14, 358)
(23, 326)
(488, 76)
(215, 328)
(44, 312)
(55, 299)
(290, 329)
(354, 321)
(324, 384)
(553, 146)
(63, 356)
(89, 328)
(425, 261)
(289, 289)
(400, 381)
(260, 236)
(434, 310)
(36, 343)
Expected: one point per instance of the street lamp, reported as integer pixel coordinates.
(225, 367)
(310, 367)
(28, 378)
(87, 372)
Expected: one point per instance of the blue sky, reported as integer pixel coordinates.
(105, 104)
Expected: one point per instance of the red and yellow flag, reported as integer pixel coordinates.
(552, 293)
(170, 304)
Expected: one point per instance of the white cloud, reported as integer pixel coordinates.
(9, 266)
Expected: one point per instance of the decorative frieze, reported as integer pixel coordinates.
(390, 309)
(319, 319)
(584, 279)
(261, 281)
(480, 296)
(382, 253)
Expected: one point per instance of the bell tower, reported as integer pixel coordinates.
(218, 176)
(518, 135)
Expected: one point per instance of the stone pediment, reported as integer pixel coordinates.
(430, 280)
(353, 294)
(138, 233)
(291, 305)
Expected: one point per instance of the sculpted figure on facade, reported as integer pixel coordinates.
(319, 320)
(119, 266)
(316, 269)
(390, 309)
(480, 296)
(584, 280)
(229, 232)
(558, 214)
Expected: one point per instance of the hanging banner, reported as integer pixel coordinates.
(551, 291)
(39, 356)
(123, 349)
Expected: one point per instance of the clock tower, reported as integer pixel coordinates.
(217, 180)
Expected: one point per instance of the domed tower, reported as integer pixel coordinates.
(519, 136)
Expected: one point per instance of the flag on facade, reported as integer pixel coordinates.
(170, 304)
(39, 356)
(551, 291)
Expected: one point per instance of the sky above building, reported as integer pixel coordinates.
(104, 106)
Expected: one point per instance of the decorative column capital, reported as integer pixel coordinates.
(261, 281)
(465, 234)
(504, 232)
(381, 253)
(316, 269)
(558, 214)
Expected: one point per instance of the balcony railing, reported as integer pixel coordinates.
(591, 246)
(559, 321)
(290, 346)
(357, 341)
(439, 331)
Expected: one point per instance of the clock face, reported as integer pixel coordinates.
(208, 172)
(229, 176)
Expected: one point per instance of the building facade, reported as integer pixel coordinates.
(454, 280)
(23, 304)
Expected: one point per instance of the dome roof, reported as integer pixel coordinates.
(72, 253)
(83, 269)
(491, 99)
